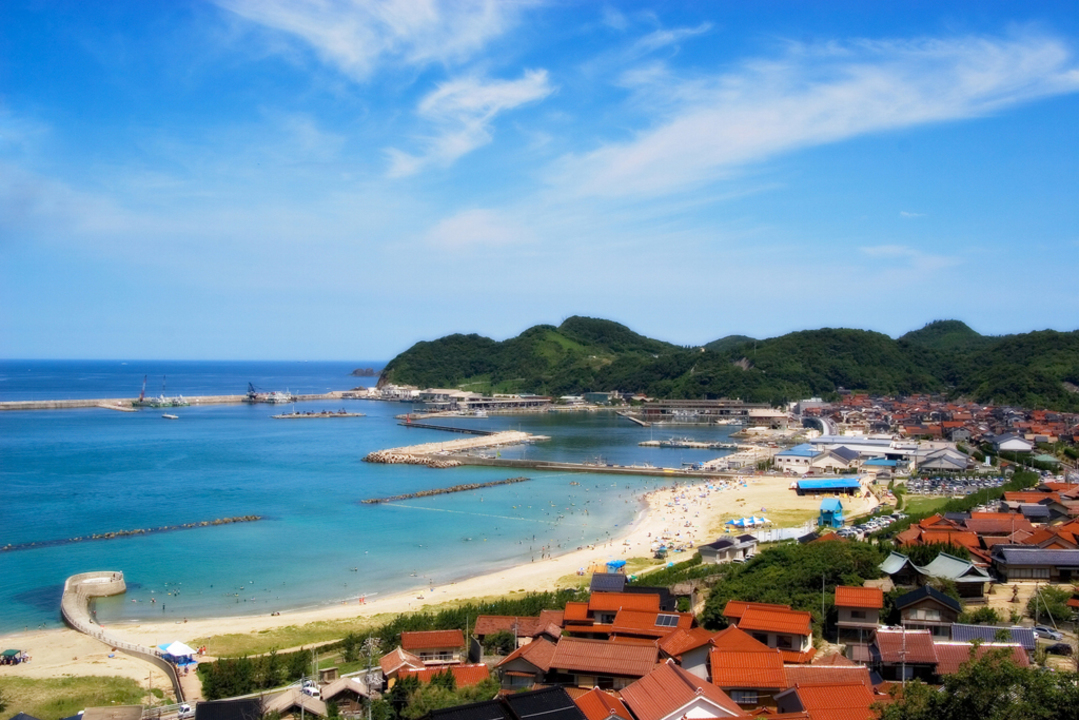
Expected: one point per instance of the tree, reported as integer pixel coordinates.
(502, 642)
(991, 687)
(1049, 604)
(984, 615)
(350, 647)
(3, 703)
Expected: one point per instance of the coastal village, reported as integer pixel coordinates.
(970, 513)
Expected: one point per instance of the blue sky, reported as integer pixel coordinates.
(337, 179)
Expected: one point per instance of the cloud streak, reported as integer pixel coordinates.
(815, 95)
(357, 36)
(463, 110)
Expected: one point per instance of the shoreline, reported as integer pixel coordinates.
(684, 513)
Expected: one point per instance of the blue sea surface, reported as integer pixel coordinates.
(72, 473)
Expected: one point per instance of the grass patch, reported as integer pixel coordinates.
(290, 636)
(779, 518)
(923, 505)
(54, 698)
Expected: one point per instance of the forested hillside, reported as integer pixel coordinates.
(1038, 369)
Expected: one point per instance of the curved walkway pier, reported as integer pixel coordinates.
(79, 590)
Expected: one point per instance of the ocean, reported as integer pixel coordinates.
(73, 473)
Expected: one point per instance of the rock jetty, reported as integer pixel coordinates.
(128, 533)
(434, 454)
(445, 491)
(391, 457)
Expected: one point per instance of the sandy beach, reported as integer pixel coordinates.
(688, 515)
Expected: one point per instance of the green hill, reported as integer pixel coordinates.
(584, 354)
(947, 335)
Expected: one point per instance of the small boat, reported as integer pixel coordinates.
(168, 416)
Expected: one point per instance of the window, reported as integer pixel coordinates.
(857, 614)
(760, 637)
(667, 620)
(744, 697)
(784, 642)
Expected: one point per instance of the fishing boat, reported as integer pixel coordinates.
(169, 416)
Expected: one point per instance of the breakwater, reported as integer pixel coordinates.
(446, 428)
(445, 491)
(128, 533)
(434, 454)
(124, 403)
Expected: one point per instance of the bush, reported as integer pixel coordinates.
(1049, 605)
(982, 616)
(502, 642)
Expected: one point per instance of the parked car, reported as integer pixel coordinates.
(1060, 648)
(185, 712)
(1047, 633)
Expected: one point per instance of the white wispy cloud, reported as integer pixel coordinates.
(356, 36)
(911, 258)
(462, 111)
(477, 228)
(665, 37)
(910, 215)
(812, 95)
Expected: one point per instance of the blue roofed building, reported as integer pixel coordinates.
(796, 459)
(831, 486)
(831, 513)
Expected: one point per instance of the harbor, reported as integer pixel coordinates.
(129, 404)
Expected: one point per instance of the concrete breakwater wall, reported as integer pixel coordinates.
(434, 454)
(127, 402)
(444, 491)
(389, 457)
(128, 533)
(79, 590)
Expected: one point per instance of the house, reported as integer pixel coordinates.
(901, 654)
(294, 702)
(599, 705)
(622, 615)
(671, 693)
(946, 460)
(241, 709)
(777, 626)
(749, 671)
(970, 580)
(551, 703)
(1010, 442)
(600, 663)
(831, 513)
(524, 628)
(1021, 636)
(527, 665)
(435, 647)
(846, 701)
(1019, 562)
(834, 460)
(901, 570)
(689, 648)
(928, 609)
(796, 459)
(396, 660)
(828, 674)
(349, 693)
(728, 549)
(951, 655)
(859, 613)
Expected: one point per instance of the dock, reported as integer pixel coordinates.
(632, 419)
(692, 444)
(646, 470)
(312, 415)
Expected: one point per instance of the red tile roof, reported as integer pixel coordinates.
(735, 608)
(916, 644)
(834, 659)
(669, 688)
(733, 669)
(427, 639)
(839, 701)
(490, 624)
(576, 612)
(772, 619)
(598, 705)
(1003, 524)
(539, 652)
(827, 674)
(610, 602)
(600, 657)
(465, 675)
(950, 655)
(859, 597)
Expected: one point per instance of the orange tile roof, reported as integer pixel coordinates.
(798, 658)
(608, 602)
(965, 538)
(396, 659)
(860, 597)
(772, 619)
(464, 675)
(827, 674)
(681, 641)
(735, 669)
(598, 705)
(647, 622)
(539, 652)
(425, 639)
(576, 612)
(839, 701)
(490, 624)
(834, 659)
(600, 657)
(735, 638)
(735, 608)
(669, 688)
(1001, 525)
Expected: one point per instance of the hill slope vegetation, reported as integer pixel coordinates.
(588, 354)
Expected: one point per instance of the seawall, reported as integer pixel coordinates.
(194, 400)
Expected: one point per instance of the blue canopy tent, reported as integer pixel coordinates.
(616, 564)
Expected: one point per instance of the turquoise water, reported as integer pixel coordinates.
(73, 473)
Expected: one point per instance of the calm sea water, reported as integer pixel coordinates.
(73, 473)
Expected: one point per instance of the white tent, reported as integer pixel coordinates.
(179, 649)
